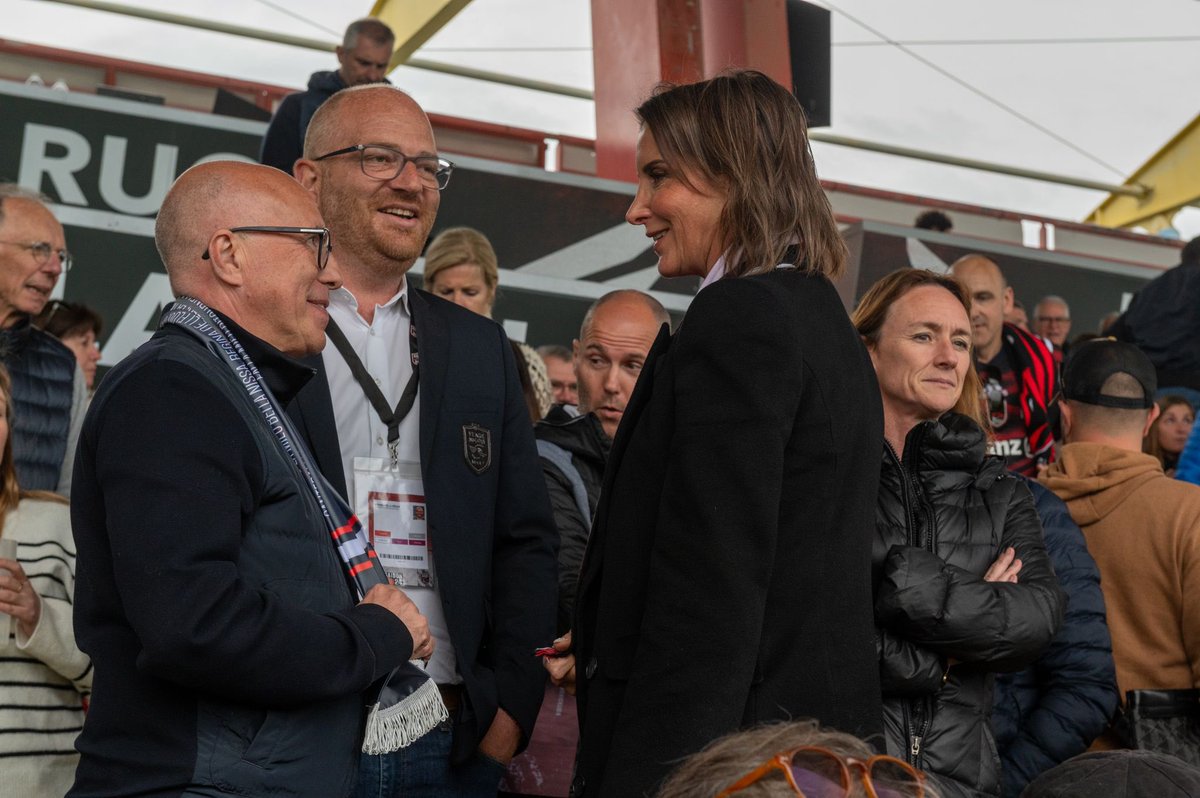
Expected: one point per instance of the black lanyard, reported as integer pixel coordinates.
(389, 416)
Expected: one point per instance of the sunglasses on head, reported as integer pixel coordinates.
(816, 772)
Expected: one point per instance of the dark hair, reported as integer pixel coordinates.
(61, 319)
(872, 311)
(744, 133)
(934, 220)
(1191, 251)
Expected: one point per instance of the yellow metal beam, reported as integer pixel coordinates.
(414, 22)
(1173, 174)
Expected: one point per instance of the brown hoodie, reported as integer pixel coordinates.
(1143, 529)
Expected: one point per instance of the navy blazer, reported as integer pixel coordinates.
(490, 522)
(727, 581)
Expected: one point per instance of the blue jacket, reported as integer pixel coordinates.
(1052, 710)
(284, 140)
(46, 411)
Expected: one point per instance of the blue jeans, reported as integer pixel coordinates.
(423, 771)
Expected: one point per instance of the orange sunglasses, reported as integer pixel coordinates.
(820, 773)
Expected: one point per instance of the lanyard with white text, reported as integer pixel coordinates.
(388, 415)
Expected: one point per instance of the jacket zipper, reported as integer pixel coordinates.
(925, 705)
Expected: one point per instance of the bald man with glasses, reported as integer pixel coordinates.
(49, 389)
(212, 595)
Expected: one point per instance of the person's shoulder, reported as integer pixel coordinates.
(166, 367)
(47, 345)
(45, 506)
(457, 317)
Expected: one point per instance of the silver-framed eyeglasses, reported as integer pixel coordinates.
(324, 245)
(385, 163)
(42, 250)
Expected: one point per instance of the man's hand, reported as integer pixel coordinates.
(1005, 568)
(393, 599)
(502, 738)
(562, 668)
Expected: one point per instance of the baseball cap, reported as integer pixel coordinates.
(1093, 362)
(1118, 774)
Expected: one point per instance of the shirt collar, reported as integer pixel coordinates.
(342, 296)
(284, 375)
(716, 272)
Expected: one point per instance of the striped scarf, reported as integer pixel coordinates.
(409, 704)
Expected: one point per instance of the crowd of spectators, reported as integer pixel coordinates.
(931, 547)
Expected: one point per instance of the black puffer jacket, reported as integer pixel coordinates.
(945, 512)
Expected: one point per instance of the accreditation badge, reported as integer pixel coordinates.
(390, 504)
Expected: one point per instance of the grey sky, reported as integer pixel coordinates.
(1117, 101)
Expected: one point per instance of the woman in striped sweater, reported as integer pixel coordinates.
(43, 675)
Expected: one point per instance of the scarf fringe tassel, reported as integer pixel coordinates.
(400, 725)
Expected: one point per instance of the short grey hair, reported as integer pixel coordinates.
(556, 351)
(15, 191)
(368, 27)
(1052, 298)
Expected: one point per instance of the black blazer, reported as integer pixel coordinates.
(493, 530)
(727, 579)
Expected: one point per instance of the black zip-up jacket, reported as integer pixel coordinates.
(945, 512)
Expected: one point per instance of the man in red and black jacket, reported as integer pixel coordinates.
(1016, 368)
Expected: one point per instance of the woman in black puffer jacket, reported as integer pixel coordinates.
(963, 586)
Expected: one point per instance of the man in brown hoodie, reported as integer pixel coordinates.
(1142, 528)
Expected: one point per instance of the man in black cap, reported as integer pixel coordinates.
(1142, 528)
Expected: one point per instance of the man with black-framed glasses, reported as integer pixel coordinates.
(49, 389)
(215, 566)
(418, 416)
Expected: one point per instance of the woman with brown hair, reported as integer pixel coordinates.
(44, 675)
(1168, 434)
(963, 585)
(727, 578)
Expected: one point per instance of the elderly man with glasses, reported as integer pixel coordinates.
(417, 413)
(49, 389)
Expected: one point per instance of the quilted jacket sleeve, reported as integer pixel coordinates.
(957, 614)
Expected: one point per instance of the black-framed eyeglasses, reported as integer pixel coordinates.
(385, 163)
(42, 250)
(324, 246)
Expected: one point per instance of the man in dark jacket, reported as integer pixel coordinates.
(615, 337)
(1016, 369)
(1163, 320)
(1052, 710)
(363, 58)
(231, 658)
(573, 444)
(48, 387)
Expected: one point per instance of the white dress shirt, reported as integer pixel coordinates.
(384, 347)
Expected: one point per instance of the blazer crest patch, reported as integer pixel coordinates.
(477, 447)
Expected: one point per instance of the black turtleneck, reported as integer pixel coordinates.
(284, 375)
